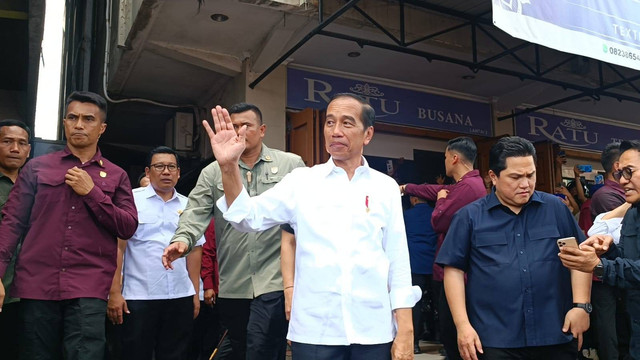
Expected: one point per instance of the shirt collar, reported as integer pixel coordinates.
(97, 157)
(3, 176)
(493, 201)
(469, 174)
(330, 167)
(614, 184)
(149, 192)
(266, 155)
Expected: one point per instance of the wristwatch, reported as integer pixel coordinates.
(598, 271)
(585, 306)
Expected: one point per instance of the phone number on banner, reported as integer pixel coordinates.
(623, 53)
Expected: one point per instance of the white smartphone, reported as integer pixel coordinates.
(568, 241)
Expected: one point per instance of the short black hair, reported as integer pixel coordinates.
(510, 146)
(629, 145)
(585, 189)
(89, 97)
(162, 150)
(610, 155)
(242, 107)
(464, 146)
(140, 177)
(18, 123)
(368, 113)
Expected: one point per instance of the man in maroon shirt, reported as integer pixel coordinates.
(459, 157)
(611, 195)
(70, 206)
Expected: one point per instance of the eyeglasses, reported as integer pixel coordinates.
(626, 173)
(161, 167)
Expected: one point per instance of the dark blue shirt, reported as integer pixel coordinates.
(621, 264)
(517, 291)
(421, 238)
(622, 269)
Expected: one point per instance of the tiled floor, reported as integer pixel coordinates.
(430, 351)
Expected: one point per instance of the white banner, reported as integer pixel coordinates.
(607, 30)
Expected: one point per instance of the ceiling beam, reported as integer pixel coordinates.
(474, 21)
(221, 63)
(304, 40)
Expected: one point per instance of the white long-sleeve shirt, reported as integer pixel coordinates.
(609, 227)
(352, 263)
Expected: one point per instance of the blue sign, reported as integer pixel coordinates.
(393, 105)
(570, 132)
(604, 30)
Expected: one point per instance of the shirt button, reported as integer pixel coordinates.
(521, 252)
(66, 248)
(525, 270)
(63, 269)
(517, 234)
(73, 208)
(69, 227)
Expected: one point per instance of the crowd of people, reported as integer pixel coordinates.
(266, 254)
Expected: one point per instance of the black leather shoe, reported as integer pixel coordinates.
(416, 349)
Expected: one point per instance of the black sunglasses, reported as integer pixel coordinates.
(626, 173)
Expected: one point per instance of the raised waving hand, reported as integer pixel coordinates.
(227, 145)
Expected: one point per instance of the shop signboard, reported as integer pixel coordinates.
(571, 132)
(603, 30)
(393, 105)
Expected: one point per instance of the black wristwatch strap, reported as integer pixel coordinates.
(598, 271)
(585, 306)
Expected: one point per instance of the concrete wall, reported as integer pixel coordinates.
(270, 96)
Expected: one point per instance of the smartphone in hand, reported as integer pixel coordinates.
(585, 168)
(568, 241)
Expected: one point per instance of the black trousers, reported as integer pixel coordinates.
(424, 282)
(206, 333)
(300, 351)
(567, 351)
(10, 330)
(257, 328)
(70, 329)
(113, 333)
(162, 327)
(604, 299)
(448, 332)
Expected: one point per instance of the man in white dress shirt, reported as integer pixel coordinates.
(352, 293)
(156, 307)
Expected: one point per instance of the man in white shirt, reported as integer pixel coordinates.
(352, 293)
(156, 307)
